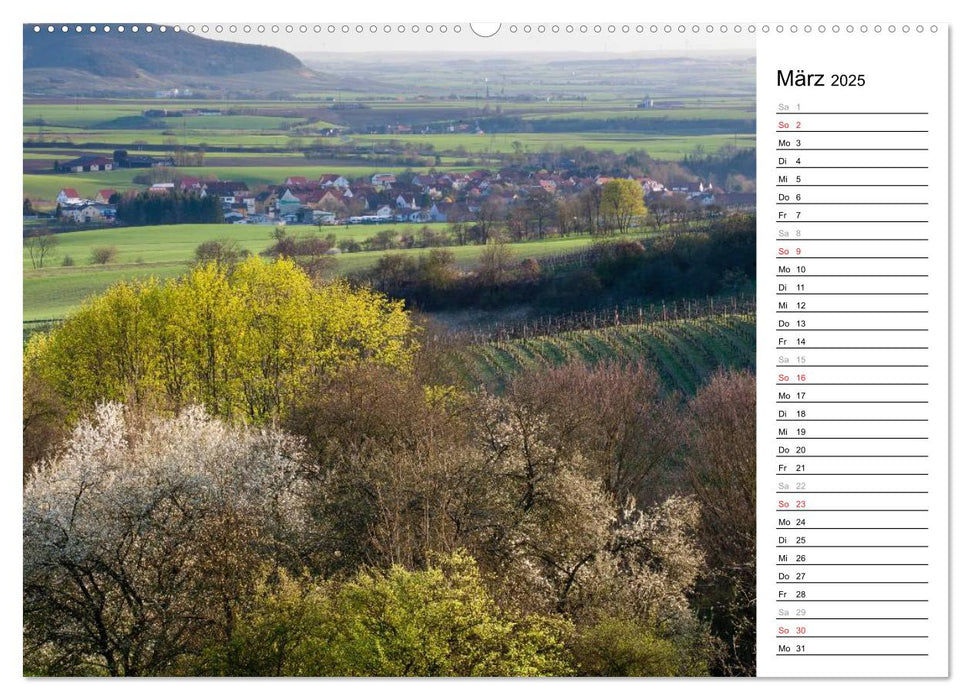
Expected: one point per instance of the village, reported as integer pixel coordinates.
(383, 197)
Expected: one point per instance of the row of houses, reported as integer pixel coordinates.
(72, 207)
(332, 198)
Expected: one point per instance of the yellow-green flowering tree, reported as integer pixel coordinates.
(241, 341)
(623, 205)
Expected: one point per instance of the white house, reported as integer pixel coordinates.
(328, 180)
(88, 212)
(402, 203)
(383, 179)
(434, 214)
(288, 203)
(68, 195)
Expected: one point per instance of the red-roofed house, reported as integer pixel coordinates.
(103, 196)
(382, 179)
(68, 195)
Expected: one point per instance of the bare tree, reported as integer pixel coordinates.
(495, 262)
(40, 247)
(721, 467)
(487, 219)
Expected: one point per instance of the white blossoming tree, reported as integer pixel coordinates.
(139, 538)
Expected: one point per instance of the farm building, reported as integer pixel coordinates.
(87, 164)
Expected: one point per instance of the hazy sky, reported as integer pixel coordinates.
(303, 39)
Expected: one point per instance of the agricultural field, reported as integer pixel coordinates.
(684, 352)
(167, 251)
(535, 106)
(658, 146)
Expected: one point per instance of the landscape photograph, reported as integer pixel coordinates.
(387, 353)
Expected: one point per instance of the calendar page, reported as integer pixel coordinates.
(424, 349)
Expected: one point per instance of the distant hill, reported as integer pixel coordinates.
(114, 63)
(127, 55)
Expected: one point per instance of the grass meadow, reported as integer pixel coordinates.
(168, 251)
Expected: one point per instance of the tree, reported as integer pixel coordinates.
(44, 419)
(623, 205)
(243, 341)
(394, 270)
(437, 268)
(222, 253)
(721, 468)
(569, 211)
(459, 230)
(311, 252)
(176, 207)
(487, 219)
(28, 208)
(561, 541)
(591, 205)
(411, 469)
(397, 465)
(617, 416)
(434, 238)
(40, 247)
(383, 240)
(141, 536)
(495, 262)
(518, 221)
(542, 210)
(439, 621)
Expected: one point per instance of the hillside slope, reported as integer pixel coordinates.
(128, 55)
(128, 64)
(684, 352)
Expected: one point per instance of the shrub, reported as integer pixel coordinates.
(223, 253)
(104, 254)
(624, 647)
(439, 621)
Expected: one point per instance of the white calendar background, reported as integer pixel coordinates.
(852, 351)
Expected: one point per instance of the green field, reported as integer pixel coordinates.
(684, 352)
(65, 155)
(167, 251)
(553, 106)
(537, 104)
(659, 147)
